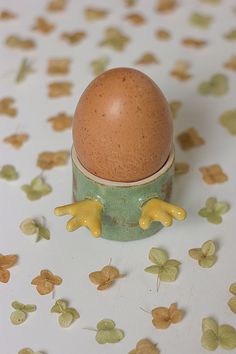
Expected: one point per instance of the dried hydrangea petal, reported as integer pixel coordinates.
(9, 173)
(232, 288)
(16, 140)
(207, 262)
(208, 248)
(28, 227)
(227, 337)
(92, 14)
(169, 274)
(115, 39)
(65, 319)
(158, 256)
(232, 304)
(209, 340)
(61, 122)
(145, 346)
(200, 20)
(209, 324)
(18, 317)
(216, 86)
(228, 120)
(195, 253)
(99, 65)
(153, 269)
(106, 324)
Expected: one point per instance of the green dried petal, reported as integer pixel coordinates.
(106, 324)
(207, 262)
(17, 305)
(31, 194)
(8, 172)
(40, 186)
(215, 219)
(228, 120)
(227, 337)
(221, 208)
(210, 202)
(102, 337)
(209, 324)
(59, 307)
(232, 288)
(26, 351)
(43, 232)
(231, 35)
(219, 84)
(28, 227)
(204, 212)
(99, 65)
(172, 263)
(65, 319)
(209, 340)
(115, 335)
(200, 20)
(73, 312)
(232, 304)
(153, 269)
(158, 256)
(17, 317)
(30, 308)
(168, 274)
(208, 248)
(195, 253)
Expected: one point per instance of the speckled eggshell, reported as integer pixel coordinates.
(122, 128)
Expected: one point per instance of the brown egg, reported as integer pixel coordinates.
(122, 128)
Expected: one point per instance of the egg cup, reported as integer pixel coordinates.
(121, 211)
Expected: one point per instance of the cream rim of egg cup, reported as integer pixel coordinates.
(103, 181)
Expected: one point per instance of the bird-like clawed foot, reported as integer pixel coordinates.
(87, 212)
(159, 210)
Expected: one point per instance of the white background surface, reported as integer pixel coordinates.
(200, 292)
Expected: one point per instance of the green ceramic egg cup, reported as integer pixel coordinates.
(122, 202)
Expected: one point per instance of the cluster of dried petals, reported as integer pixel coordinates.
(61, 121)
(213, 174)
(59, 89)
(16, 140)
(6, 262)
(46, 281)
(163, 317)
(105, 277)
(190, 139)
(6, 107)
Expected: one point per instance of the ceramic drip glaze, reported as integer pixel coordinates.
(122, 128)
(122, 202)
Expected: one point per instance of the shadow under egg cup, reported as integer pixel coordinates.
(122, 202)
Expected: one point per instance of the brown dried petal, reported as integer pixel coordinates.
(161, 324)
(16, 140)
(181, 168)
(195, 43)
(163, 34)
(166, 5)
(161, 313)
(43, 26)
(147, 58)
(189, 139)
(47, 160)
(105, 285)
(7, 15)
(231, 63)
(213, 174)
(59, 89)
(73, 37)
(6, 107)
(97, 277)
(135, 19)
(4, 275)
(110, 272)
(14, 41)
(45, 287)
(58, 66)
(92, 14)
(8, 261)
(56, 5)
(61, 121)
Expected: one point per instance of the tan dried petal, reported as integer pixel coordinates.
(7, 15)
(104, 286)
(4, 275)
(92, 13)
(161, 313)
(59, 89)
(110, 272)
(47, 160)
(190, 139)
(213, 174)
(16, 140)
(135, 19)
(195, 43)
(43, 26)
(231, 63)
(73, 37)
(61, 121)
(14, 41)
(97, 277)
(166, 5)
(8, 261)
(180, 71)
(161, 324)
(58, 66)
(181, 168)
(115, 39)
(56, 5)
(163, 35)
(147, 58)
(6, 107)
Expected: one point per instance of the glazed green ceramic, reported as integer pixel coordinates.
(122, 201)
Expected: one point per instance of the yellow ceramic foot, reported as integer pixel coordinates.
(87, 212)
(158, 210)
